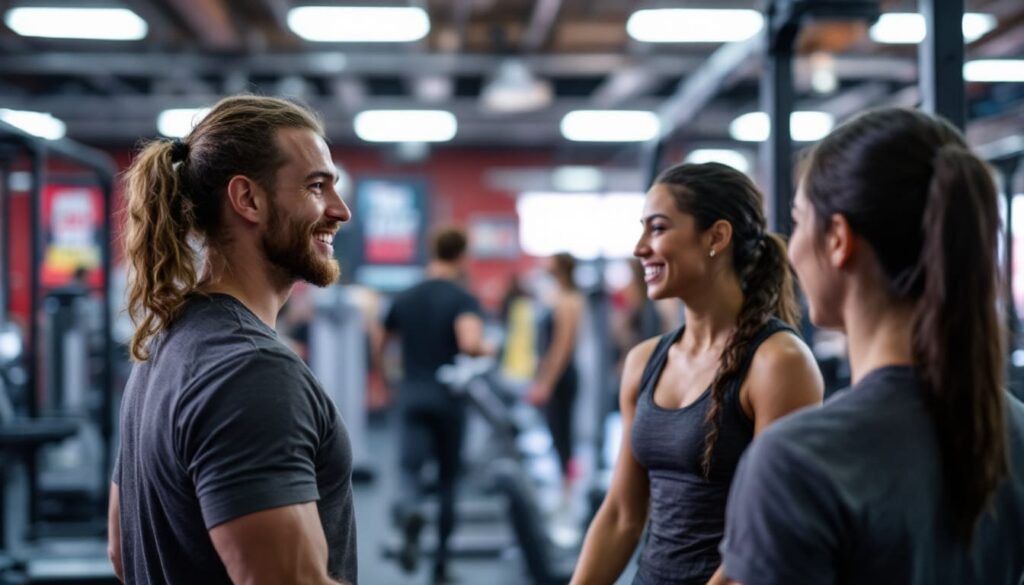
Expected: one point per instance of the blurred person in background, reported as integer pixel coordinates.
(556, 382)
(433, 322)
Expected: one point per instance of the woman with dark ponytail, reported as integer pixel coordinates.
(693, 399)
(914, 475)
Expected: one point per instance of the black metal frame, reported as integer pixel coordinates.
(784, 21)
(39, 150)
(941, 58)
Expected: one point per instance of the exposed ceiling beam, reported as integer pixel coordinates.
(623, 86)
(210, 20)
(155, 65)
(697, 90)
(328, 63)
(278, 11)
(545, 13)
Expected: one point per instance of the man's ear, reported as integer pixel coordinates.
(246, 198)
(840, 241)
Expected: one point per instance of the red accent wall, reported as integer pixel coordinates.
(455, 179)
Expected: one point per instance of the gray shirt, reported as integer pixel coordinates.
(852, 493)
(223, 421)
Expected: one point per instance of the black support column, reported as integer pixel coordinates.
(941, 59)
(777, 100)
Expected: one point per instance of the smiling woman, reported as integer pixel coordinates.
(694, 399)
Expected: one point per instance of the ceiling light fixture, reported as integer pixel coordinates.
(994, 70)
(35, 123)
(693, 25)
(610, 126)
(910, 27)
(725, 156)
(405, 125)
(514, 89)
(178, 122)
(103, 24)
(359, 24)
(806, 126)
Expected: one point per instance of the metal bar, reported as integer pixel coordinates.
(703, 85)
(941, 58)
(1008, 170)
(38, 170)
(545, 13)
(107, 378)
(777, 99)
(5, 244)
(653, 152)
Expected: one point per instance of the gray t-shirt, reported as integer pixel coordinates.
(223, 421)
(852, 493)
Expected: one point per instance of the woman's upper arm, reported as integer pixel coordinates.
(783, 377)
(629, 490)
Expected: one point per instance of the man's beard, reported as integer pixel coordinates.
(289, 245)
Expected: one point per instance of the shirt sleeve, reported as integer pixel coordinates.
(249, 439)
(470, 305)
(783, 521)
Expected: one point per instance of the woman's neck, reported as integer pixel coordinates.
(879, 333)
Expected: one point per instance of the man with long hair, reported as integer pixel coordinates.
(234, 465)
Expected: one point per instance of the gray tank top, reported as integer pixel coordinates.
(687, 511)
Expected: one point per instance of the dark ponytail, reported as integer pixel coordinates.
(907, 183)
(712, 192)
(958, 306)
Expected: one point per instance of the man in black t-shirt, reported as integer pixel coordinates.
(234, 466)
(434, 321)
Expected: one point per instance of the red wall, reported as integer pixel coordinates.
(455, 180)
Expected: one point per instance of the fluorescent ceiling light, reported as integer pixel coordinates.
(359, 24)
(180, 121)
(803, 126)
(35, 123)
(683, 25)
(910, 27)
(610, 126)
(726, 156)
(994, 70)
(105, 24)
(405, 125)
(577, 178)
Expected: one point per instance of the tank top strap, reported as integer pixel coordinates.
(656, 362)
(771, 327)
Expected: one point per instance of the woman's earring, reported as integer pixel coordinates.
(712, 253)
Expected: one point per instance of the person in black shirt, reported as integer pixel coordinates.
(234, 466)
(434, 321)
(915, 474)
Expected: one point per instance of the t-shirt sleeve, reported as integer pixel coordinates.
(783, 520)
(248, 439)
(469, 304)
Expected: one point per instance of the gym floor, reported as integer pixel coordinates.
(373, 503)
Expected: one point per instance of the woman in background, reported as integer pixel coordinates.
(555, 385)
